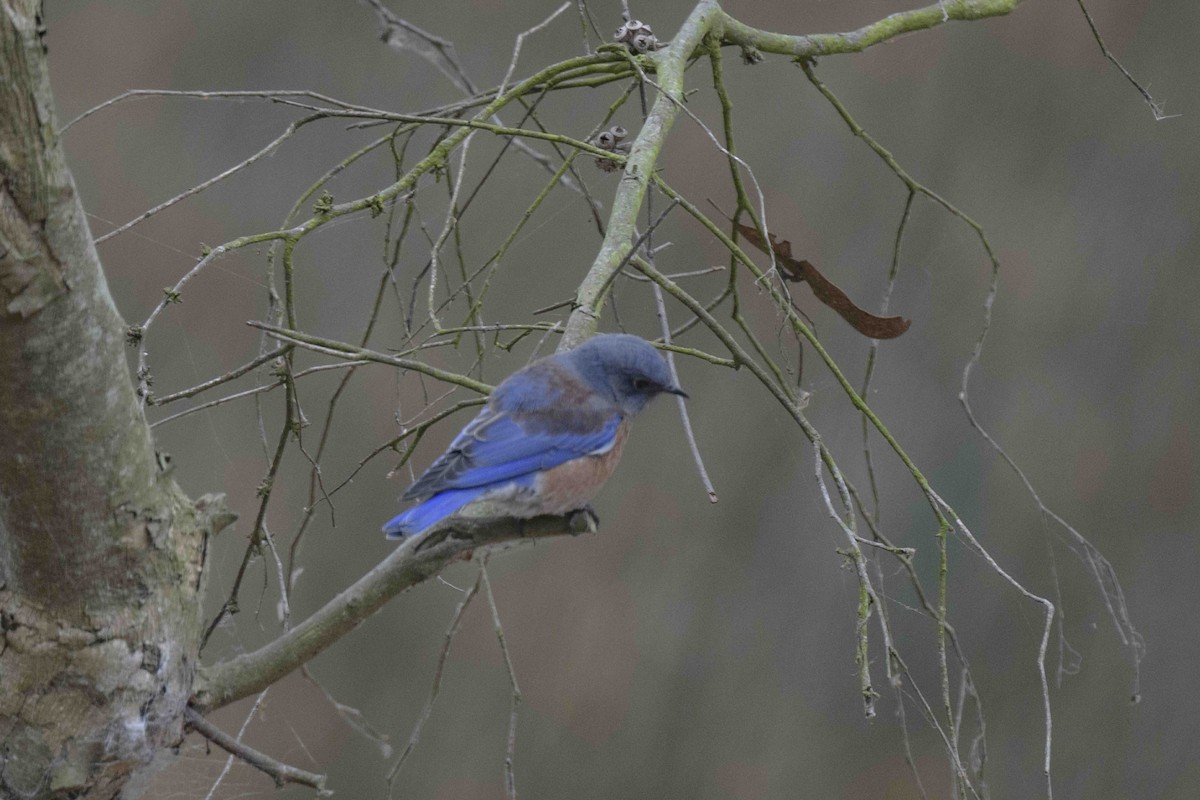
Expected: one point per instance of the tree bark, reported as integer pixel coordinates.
(101, 555)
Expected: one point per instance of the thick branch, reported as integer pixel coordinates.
(639, 166)
(410, 564)
(708, 17)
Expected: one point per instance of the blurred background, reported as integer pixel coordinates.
(690, 649)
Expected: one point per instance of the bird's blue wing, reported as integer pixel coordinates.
(433, 510)
(497, 447)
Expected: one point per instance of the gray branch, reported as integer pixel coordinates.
(411, 563)
(281, 773)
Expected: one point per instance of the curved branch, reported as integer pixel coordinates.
(281, 773)
(350, 352)
(827, 44)
(708, 17)
(413, 562)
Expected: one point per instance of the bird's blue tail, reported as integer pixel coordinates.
(431, 511)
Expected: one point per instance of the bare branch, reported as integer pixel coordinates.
(233, 374)
(510, 780)
(353, 353)
(402, 34)
(274, 95)
(512, 64)
(269, 149)
(436, 688)
(281, 773)
(826, 44)
(1157, 108)
(638, 168)
(414, 561)
(660, 307)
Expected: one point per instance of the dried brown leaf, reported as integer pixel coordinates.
(799, 270)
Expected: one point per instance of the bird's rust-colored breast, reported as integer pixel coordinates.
(573, 484)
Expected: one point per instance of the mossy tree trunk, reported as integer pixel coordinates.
(101, 555)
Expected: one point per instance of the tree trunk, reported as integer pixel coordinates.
(101, 555)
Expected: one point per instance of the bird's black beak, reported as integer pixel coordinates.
(675, 390)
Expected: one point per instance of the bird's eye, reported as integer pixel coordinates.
(641, 384)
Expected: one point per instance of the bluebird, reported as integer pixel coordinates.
(549, 437)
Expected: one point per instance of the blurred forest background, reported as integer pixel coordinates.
(692, 650)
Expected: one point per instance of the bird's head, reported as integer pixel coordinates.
(625, 367)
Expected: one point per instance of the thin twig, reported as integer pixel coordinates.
(450, 223)
(281, 773)
(229, 762)
(873, 354)
(285, 606)
(200, 187)
(219, 401)
(512, 64)
(1157, 108)
(137, 334)
(868, 599)
(510, 782)
(436, 688)
(401, 33)
(386, 277)
(1103, 572)
(233, 374)
(1044, 643)
(351, 716)
(353, 353)
(274, 95)
(660, 307)
(256, 390)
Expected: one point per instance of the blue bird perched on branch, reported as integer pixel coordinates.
(549, 437)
